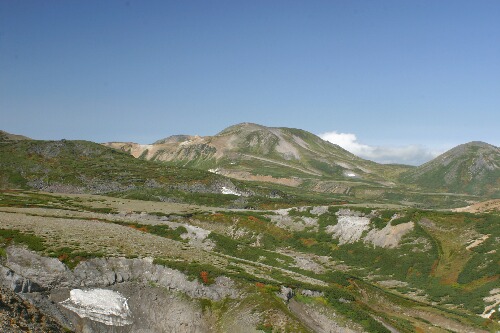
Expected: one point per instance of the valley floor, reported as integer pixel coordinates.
(303, 269)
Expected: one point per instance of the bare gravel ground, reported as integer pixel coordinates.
(481, 207)
(96, 236)
(128, 205)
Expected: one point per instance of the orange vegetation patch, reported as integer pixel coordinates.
(204, 277)
(9, 191)
(259, 285)
(308, 241)
(448, 280)
(143, 229)
(433, 268)
(217, 217)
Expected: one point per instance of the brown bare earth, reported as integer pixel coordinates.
(481, 207)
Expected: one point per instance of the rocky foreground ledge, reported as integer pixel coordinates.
(107, 294)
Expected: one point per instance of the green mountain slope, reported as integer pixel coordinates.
(287, 156)
(87, 167)
(472, 168)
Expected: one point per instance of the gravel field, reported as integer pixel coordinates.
(96, 236)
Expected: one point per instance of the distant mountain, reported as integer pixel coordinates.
(274, 154)
(472, 168)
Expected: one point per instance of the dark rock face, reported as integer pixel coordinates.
(18, 315)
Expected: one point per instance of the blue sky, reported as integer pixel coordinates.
(407, 79)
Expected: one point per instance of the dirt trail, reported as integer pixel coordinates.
(481, 207)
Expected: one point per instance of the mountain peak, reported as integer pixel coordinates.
(472, 167)
(242, 127)
(480, 144)
(473, 149)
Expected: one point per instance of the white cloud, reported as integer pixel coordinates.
(409, 154)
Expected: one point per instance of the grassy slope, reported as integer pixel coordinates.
(82, 166)
(76, 163)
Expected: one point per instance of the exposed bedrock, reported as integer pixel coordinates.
(112, 294)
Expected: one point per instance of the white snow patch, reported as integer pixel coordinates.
(350, 174)
(105, 306)
(225, 190)
(216, 170)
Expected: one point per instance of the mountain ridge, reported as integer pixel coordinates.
(296, 157)
(251, 151)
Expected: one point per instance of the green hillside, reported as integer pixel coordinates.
(286, 156)
(85, 167)
(472, 168)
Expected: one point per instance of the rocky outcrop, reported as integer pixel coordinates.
(112, 294)
(24, 267)
(18, 315)
(319, 319)
(37, 273)
(389, 236)
(356, 226)
(17, 283)
(350, 226)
